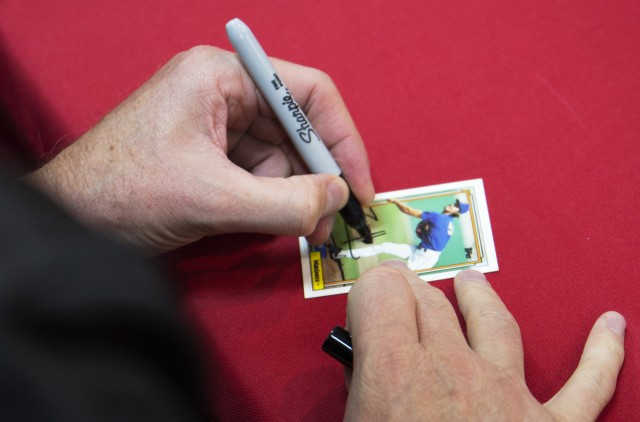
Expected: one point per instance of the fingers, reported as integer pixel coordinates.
(291, 206)
(437, 321)
(492, 332)
(385, 310)
(593, 383)
(260, 158)
(381, 312)
(320, 99)
(432, 316)
(381, 316)
(322, 230)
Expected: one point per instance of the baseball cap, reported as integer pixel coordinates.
(461, 206)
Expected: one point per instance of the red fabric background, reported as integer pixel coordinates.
(540, 99)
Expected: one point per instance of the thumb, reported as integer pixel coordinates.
(290, 206)
(593, 383)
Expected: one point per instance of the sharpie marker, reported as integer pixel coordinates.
(295, 122)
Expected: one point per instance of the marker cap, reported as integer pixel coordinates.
(338, 345)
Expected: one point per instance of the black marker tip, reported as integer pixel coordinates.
(365, 232)
(353, 215)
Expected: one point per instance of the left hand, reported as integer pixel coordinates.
(411, 360)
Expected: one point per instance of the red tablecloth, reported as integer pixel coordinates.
(540, 99)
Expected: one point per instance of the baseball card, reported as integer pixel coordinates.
(437, 230)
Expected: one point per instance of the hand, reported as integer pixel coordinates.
(196, 151)
(412, 361)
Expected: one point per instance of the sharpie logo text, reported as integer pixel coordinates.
(305, 132)
(276, 82)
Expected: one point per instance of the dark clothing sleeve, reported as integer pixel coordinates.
(88, 331)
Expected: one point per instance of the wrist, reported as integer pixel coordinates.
(66, 179)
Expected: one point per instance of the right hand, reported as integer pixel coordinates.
(196, 151)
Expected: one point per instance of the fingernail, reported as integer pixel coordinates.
(337, 194)
(472, 275)
(616, 323)
(395, 263)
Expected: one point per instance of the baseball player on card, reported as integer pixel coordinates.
(434, 231)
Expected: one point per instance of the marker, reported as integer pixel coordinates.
(295, 122)
(338, 345)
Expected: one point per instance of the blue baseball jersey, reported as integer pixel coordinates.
(439, 233)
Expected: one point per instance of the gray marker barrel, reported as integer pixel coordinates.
(295, 122)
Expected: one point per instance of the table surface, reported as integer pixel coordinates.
(539, 99)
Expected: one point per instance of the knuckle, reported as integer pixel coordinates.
(436, 295)
(302, 211)
(323, 77)
(497, 319)
(614, 348)
(598, 385)
(602, 363)
(377, 283)
(201, 52)
(204, 57)
(391, 367)
(323, 85)
(602, 385)
(386, 276)
(458, 376)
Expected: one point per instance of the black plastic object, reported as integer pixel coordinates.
(338, 345)
(353, 215)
